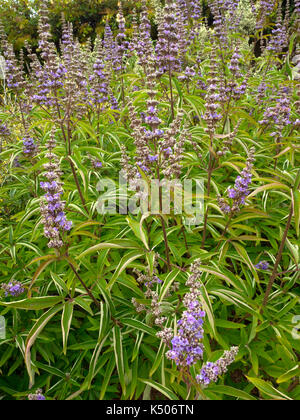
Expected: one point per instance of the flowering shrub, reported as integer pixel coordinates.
(103, 302)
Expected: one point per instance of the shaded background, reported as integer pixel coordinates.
(20, 18)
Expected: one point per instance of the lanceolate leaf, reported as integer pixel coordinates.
(66, 322)
(125, 261)
(117, 244)
(268, 389)
(119, 356)
(35, 303)
(33, 335)
(162, 389)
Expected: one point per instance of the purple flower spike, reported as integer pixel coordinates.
(211, 372)
(97, 164)
(186, 346)
(263, 265)
(29, 147)
(38, 396)
(240, 191)
(13, 288)
(54, 218)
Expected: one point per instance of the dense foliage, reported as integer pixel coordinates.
(101, 302)
(20, 18)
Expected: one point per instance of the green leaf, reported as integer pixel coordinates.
(32, 336)
(96, 354)
(116, 244)
(159, 358)
(138, 325)
(232, 392)
(34, 304)
(119, 357)
(169, 280)
(125, 261)
(107, 377)
(66, 322)
(292, 373)
(223, 323)
(162, 389)
(138, 229)
(268, 389)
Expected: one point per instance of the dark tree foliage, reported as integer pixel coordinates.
(88, 17)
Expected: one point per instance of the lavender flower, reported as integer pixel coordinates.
(4, 130)
(99, 85)
(189, 74)
(150, 280)
(265, 10)
(186, 346)
(167, 48)
(38, 396)
(212, 115)
(54, 218)
(262, 265)
(261, 92)
(122, 45)
(144, 45)
(183, 41)
(110, 47)
(211, 372)
(234, 63)
(13, 288)
(14, 73)
(29, 147)
(279, 36)
(220, 30)
(278, 116)
(97, 164)
(195, 7)
(240, 191)
(16, 163)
